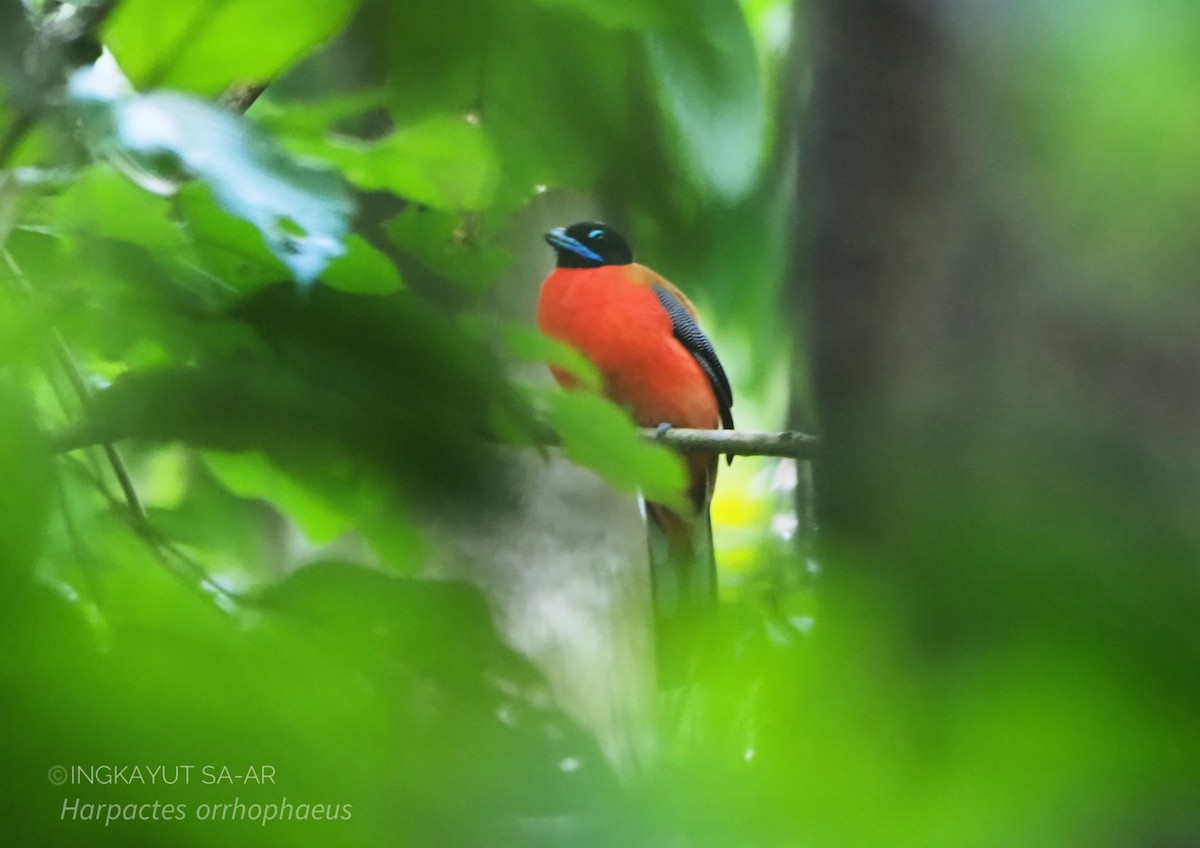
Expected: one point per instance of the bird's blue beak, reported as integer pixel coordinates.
(559, 240)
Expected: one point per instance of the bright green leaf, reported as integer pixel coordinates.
(252, 475)
(362, 270)
(598, 435)
(526, 344)
(206, 45)
(314, 117)
(103, 202)
(446, 162)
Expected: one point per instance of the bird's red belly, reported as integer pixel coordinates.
(624, 331)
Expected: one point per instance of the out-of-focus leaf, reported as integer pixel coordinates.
(404, 616)
(443, 242)
(385, 384)
(229, 247)
(315, 117)
(548, 85)
(598, 435)
(205, 45)
(362, 270)
(301, 209)
(445, 162)
(24, 487)
(103, 202)
(252, 475)
(712, 96)
(528, 345)
(225, 407)
(625, 14)
(557, 103)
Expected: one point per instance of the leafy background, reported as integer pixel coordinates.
(265, 375)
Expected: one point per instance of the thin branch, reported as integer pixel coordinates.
(175, 560)
(737, 442)
(119, 469)
(241, 96)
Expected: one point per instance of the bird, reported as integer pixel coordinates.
(643, 336)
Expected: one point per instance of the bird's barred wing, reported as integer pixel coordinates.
(689, 334)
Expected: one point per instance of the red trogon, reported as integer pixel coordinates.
(642, 335)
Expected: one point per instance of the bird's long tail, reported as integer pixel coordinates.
(683, 575)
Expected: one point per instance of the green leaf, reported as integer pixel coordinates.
(600, 436)
(625, 14)
(444, 243)
(526, 344)
(310, 117)
(228, 246)
(252, 475)
(557, 103)
(445, 162)
(25, 491)
(403, 616)
(205, 45)
(301, 209)
(710, 93)
(362, 270)
(103, 202)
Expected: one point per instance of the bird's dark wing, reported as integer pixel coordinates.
(689, 334)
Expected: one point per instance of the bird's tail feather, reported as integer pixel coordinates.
(683, 575)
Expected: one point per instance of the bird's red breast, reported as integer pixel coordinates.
(611, 315)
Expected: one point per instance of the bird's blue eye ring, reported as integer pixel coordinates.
(595, 234)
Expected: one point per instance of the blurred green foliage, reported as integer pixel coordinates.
(235, 345)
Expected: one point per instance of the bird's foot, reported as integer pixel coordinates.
(661, 430)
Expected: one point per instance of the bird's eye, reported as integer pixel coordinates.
(596, 234)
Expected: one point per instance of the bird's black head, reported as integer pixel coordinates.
(589, 245)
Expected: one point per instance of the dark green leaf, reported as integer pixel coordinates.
(24, 487)
(445, 243)
(712, 96)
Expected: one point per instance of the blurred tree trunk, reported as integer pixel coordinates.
(564, 566)
(1008, 399)
(1009, 422)
(890, 240)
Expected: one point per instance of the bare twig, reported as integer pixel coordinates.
(119, 469)
(241, 96)
(737, 442)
